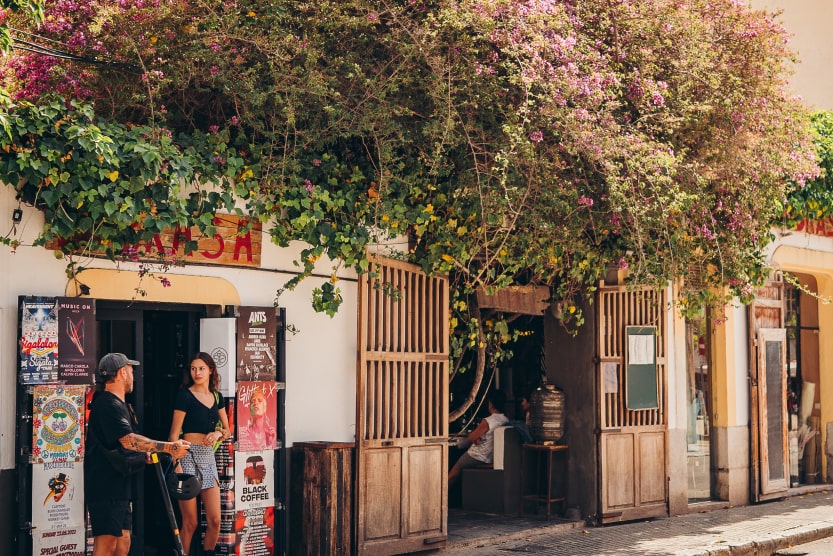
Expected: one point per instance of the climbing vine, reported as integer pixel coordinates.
(501, 142)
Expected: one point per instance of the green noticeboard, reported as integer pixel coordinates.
(641, 367)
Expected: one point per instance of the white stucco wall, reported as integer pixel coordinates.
(801, 240)
(320, 358)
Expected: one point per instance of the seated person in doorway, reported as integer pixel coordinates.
(522, 425)
(481, 439)
(526, 407)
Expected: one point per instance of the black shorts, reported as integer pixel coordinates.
(110, 517)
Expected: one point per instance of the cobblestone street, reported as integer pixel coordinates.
(760, 530)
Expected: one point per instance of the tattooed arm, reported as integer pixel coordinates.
(138, 443)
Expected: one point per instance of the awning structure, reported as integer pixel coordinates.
(523, 300)
(104, 283)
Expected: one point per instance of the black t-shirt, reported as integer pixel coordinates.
(198, 417)
(109, 420)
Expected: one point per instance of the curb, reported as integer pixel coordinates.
(768, 547)
(514, 536)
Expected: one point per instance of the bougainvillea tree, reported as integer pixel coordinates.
(532, 142)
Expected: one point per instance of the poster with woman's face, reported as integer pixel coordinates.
(257, 412)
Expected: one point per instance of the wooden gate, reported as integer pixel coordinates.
(768, 393)
(632, 442)
(402, 412)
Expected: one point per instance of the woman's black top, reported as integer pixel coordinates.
(198, 417)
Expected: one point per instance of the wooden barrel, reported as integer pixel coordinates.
(546, 414)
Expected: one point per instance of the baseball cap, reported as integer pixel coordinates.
(112, 362)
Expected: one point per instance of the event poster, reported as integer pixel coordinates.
(257, 343)
(255, 532)
(224, 458)
(58, 495)
(254, 479)
(76, 340)
(59, 542)
(231, 412)
(227, 536)
(58, 423)
(38, 340)
(257, 410)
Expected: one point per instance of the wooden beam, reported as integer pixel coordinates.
(525, 300)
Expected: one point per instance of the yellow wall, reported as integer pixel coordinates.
(724, 344)
(122, 284)
(819, 265)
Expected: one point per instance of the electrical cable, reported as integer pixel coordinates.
(35, 48)
(39, 37)
(62, 55)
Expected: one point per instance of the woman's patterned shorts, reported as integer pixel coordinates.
(204, 456)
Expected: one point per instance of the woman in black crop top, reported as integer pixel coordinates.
(198, 410)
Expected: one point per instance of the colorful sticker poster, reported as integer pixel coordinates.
(226, 543)
(59, 542)
(257, 410)
(257, 343)
(224, 458)
(38, 340)
(254, 478)
(255, 532)
(227, 518)
(227, 534)
(231, 412)
(58, 495)
(76, 340)
(58, 419)
(227, 537)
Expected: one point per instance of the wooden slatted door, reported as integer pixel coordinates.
(632, 442)
(402, 413)
(768, 383)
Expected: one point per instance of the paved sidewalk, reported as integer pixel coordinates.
(758, 530)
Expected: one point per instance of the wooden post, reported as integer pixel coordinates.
(321, 505)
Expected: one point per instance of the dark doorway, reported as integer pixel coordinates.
(163, 337)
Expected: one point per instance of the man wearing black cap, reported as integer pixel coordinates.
(108, 489)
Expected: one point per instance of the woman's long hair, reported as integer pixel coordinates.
(213, 378)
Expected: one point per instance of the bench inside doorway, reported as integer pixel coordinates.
(496, 489)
